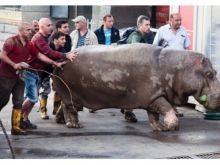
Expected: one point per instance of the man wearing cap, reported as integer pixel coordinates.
(40, 42)
(82, 35)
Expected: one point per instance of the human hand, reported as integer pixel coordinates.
(21, 65)
(59, 64)
(71, 56)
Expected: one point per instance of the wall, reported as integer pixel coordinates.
(187, 14)
(215, 38)
(9, 19)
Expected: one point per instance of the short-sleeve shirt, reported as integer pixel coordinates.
(178, 40)
(17, 53)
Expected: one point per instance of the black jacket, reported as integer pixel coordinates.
(101, 36)
(68, 43)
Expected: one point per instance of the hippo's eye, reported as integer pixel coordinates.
(209, 75)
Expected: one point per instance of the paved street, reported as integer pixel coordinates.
(107, 135)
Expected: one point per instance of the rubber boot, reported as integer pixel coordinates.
(43, 109)
(56, 103)
(15, 123)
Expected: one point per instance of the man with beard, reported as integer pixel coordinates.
(17, 49)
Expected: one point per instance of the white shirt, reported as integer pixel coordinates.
(178, 40)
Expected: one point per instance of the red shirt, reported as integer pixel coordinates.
(17, 53)
(41, 43)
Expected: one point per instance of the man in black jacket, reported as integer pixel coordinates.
(107, 34)
(63, 26)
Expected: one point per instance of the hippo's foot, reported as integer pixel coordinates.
(74, 125)
(59, 118)
(71, 117)
(130, 116)
(156, 126)
(170, 121)
(154, 121)
(178, 114)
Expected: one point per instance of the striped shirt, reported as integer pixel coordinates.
(81, 40)
(41, 43)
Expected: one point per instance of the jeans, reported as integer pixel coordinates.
(31, 85)
(46, 88)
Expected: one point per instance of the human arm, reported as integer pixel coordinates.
(6, 59)
(135, 38)
(157, 38)
(94, 39)
(187, 42)
(42, 45)
(47, 60)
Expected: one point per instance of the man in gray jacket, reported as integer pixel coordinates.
(82, 35)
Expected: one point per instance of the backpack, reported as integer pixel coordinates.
(126, 34)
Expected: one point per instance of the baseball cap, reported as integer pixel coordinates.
(79, 19)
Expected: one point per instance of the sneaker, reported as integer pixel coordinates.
(27, 125)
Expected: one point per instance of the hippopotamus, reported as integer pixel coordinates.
(136, 76)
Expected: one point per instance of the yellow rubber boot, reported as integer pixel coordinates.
(15, 123)
(43, 109)
(56, 103)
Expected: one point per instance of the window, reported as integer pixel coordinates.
(59, 11)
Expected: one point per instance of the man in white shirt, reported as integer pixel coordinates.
(172, 35)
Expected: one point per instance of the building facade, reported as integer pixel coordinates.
(201, 22)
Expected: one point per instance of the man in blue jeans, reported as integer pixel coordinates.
(16, 49)
(61, 26)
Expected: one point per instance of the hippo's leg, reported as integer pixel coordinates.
(162, 106)
(60, 115)
(71, 116)
(154, 121)
(129, 115)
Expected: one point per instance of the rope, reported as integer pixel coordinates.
(8, 140)
(51, 74)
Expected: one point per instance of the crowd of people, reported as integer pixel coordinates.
(41, 47)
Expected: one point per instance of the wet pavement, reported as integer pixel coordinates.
(106, 135)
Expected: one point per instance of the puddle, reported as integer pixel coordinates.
(42, 154)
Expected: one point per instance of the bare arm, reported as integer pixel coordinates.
(47, 60)
(6, 59)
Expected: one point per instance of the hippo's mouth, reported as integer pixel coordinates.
(211, 102)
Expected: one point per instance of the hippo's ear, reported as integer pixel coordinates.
(200, 61)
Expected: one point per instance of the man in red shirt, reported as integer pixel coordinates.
(40, 41)
(17, 49)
